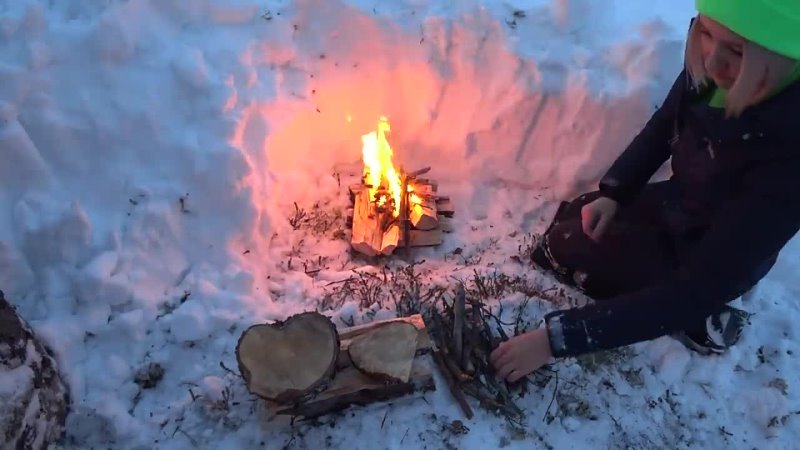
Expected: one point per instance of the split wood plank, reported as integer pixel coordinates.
(368, 234)
(445, 207)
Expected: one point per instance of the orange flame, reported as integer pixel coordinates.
(379, 170)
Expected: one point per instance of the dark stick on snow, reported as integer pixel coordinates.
(458, 322)
(419, 172)
(455, 390)
(405, 221)
(438, 347)
(437, 329)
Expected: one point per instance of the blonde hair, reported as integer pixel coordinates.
(760, 72)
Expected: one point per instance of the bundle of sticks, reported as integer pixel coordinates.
(463, 334)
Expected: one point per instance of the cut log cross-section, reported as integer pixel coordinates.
(370, 369)
(287, 360)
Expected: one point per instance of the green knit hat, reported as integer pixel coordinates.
(773, 24)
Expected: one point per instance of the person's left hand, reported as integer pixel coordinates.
(522, 354)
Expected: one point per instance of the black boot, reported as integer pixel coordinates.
(540, 254)
(716, 333)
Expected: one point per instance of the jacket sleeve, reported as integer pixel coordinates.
(747, 232)
(648, 150)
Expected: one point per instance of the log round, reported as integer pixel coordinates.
(33, 399)
(387, 352)
(287, 360)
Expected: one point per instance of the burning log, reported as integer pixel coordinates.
(423, 214)
(392, 238)
(369, 234)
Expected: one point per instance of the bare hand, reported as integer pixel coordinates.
(522, 354)
(597, 216)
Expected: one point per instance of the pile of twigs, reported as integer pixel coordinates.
(464, 333)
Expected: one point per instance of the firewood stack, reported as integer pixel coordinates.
(463, 335)
(424, 216)
(306, 367)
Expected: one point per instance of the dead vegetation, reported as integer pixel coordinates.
(323, 219)
(402, 288)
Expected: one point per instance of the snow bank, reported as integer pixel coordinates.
(183, 128)
(152, 151)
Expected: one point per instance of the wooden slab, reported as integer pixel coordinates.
(391, 239)
(353, 190)
(426, 181)
(368, 235)
(350, 387)
(446, 224)
(346, 335)
(423, 216)
(420, 238)
(445, 207)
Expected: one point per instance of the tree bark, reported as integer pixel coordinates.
(34, 410)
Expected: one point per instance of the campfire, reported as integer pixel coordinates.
(391, 207)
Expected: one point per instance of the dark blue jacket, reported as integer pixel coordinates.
(737, 204)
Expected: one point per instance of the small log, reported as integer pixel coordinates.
(391, 239)
(420, 238)
(285, 361)
(387, 353)
(419, 172)
(423, 189)
(424, 216)
(446, 224)
(368, 231)
(434, 186)
(445, 207)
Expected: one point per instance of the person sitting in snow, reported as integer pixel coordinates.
(666, 258)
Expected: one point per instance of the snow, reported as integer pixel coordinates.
(153, 151)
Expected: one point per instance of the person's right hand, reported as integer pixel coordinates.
(597, 216)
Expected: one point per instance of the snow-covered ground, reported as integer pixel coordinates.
(153, 152)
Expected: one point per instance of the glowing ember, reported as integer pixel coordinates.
(385, 185)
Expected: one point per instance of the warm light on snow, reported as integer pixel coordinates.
(172, 172)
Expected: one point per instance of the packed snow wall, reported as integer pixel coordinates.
(145, 142)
